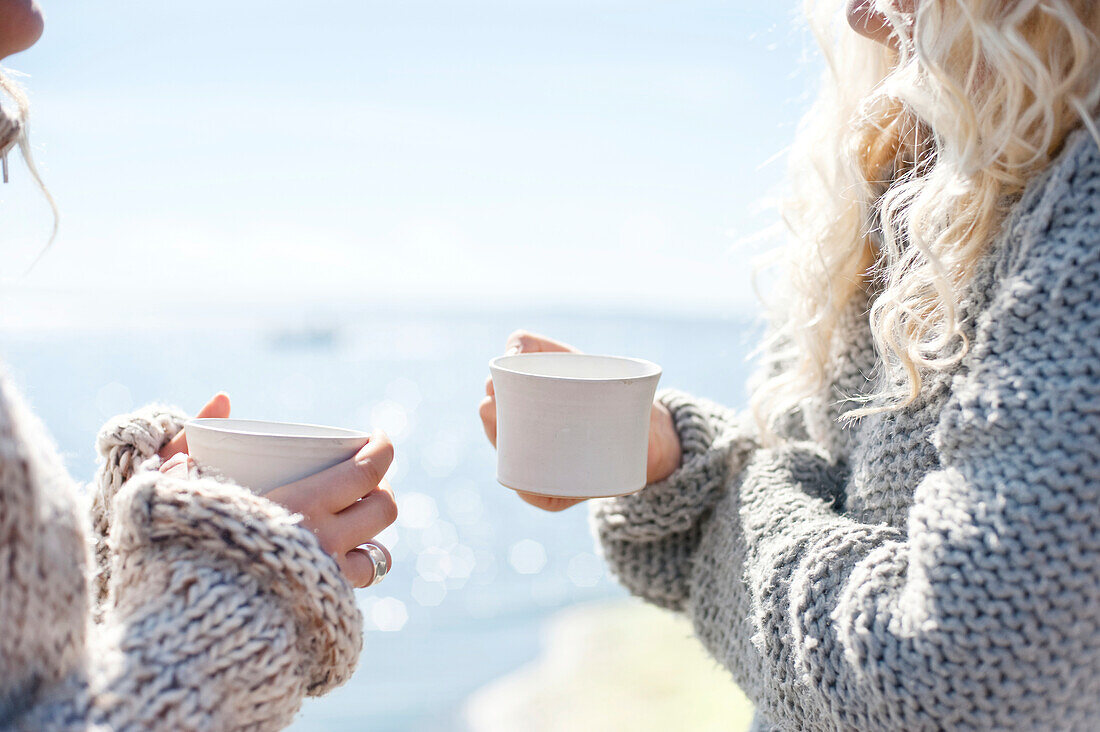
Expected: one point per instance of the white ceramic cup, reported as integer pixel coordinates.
(265, 455)
(573, 425)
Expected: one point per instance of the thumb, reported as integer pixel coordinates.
(522, 341)
(217, 407)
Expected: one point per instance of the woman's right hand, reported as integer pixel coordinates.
(664, 443)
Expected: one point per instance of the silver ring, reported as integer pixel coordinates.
(378, 559)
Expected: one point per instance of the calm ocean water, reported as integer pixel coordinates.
(476, 570)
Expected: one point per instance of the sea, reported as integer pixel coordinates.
(477, 572)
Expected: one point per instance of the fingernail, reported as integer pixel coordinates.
(514, 350)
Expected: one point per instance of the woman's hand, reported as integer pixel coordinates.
(664, 443)
(345, 506)
(217, 407)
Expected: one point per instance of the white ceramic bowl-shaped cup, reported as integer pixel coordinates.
(264, 455)
(573, 425)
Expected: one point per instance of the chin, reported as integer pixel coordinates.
(21, 25)
(857, 11)
(866, 21)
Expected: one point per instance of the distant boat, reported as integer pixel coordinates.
(310, 338)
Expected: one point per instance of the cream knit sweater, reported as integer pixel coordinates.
(191, 604)
(932, 568)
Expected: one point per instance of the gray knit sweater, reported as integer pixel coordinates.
(933, 568)
(205, 607)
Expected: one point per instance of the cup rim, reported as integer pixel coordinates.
(652, 369)
(213, 424)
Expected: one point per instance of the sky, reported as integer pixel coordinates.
(432, 151)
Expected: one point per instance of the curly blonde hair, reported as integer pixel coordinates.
(13, 133)
(903, 171)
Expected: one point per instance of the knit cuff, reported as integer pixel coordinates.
(211, 521)
(125, 444)
(128, 440)
(714, 444)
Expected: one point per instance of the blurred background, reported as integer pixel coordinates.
(337, 211)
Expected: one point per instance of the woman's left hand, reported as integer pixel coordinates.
(345, 506)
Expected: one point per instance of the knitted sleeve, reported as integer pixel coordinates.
(43, 587)
(648, 538)
(224, 614)
(123, 444)
(985, 613)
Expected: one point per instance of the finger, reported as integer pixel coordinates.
(358, 566)
(175, 446)
(178, 466)
(489, 390)
(178, 471)
(173, 461)
(663, 453)
(360, 522)
(488, 413)
(217, 407)
(521, 341)
(333, 490)
(549, 503)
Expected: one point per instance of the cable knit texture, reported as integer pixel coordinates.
(932, 568)
(124, 444)
(218, 611)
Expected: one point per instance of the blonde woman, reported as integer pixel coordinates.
(204, 607)
(904, 531)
